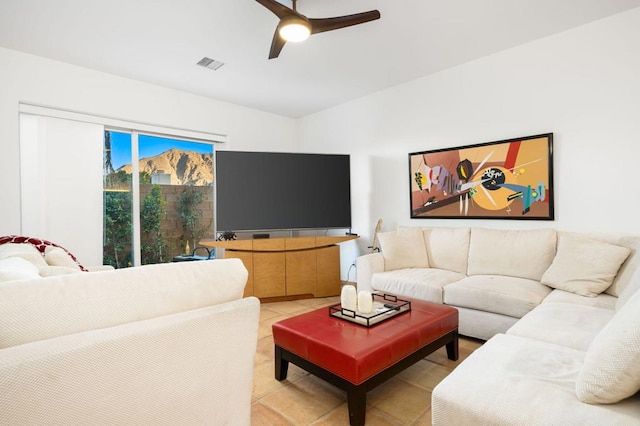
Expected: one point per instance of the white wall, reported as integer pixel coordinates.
(583, 85)
(36, 80)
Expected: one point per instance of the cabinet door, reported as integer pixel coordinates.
(328, 273)
(247, 260)
(269, 274)
(301, 272)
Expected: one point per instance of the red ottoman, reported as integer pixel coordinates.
(356, 358)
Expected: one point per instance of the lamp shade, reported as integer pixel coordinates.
(294, 29)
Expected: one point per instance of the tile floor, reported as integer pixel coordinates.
(303, 399)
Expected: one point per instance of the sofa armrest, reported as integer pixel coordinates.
(193, 367)
(94, 268)
(368, 265)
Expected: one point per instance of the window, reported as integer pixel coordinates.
(158, 197)
(66, 176)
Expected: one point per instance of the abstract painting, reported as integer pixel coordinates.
(508, 179)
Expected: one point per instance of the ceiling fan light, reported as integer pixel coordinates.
(295, 30)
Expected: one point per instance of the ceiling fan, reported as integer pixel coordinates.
(296, 27)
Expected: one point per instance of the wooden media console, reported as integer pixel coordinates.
(288, 268)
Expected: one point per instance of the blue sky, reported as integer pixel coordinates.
(148, 147)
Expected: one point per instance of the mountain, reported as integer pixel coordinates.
(185, 167)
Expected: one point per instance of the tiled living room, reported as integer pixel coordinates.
(431, 110)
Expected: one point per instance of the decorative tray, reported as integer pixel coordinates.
(385, 306)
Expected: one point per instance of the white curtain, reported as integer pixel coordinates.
(61, 183)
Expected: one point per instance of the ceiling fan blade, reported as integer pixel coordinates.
(278, 9)
(327, 24)
(276, 45)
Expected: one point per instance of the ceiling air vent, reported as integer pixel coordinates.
(210, 63)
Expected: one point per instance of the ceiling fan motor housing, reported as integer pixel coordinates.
(294, 28)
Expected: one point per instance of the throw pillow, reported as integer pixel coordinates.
(56, 256)
(25, 251)
(37, 243)
(610, 371)
(404, 248)
(17, 268)
(583, 266)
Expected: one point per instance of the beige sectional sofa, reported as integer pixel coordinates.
(163, 344)
(495, 277)
(560, 312)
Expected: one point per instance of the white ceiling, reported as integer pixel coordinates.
(160, 41)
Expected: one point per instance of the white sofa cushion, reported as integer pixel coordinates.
(50, 271)
(419, 283)
(113, 297)
(403, 248)
(630, 265)
(56, 256)
(514, 253)
(17, 268)
(565, 324)
(611, 370)
(511, 380)
(494, 293)
(630, 290)
(25, 251)
(602, 300)
(448, 248)
(482, 325)
(584, 266)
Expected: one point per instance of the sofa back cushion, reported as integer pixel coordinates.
(610, 371)
(584, 266)
(632, 288)
(448, 248)
(43, 308)
(516, 253)
(403, 248)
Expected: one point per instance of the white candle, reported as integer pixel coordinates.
(348, 298)
(365, 302)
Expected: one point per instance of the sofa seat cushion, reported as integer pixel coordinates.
(418, 283)
(483, 325)
(494, 293)
(512, 380)
(603, 300)
(566, 324)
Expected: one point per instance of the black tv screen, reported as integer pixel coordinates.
(262, 191)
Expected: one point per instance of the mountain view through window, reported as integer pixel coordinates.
(158, 197)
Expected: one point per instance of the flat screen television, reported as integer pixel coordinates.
(268, 191)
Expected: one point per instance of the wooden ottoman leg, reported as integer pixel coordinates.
(357, 403)
(282, 365)
(452, 348)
